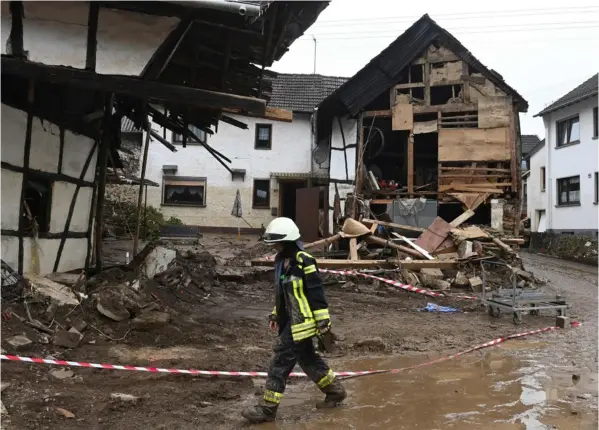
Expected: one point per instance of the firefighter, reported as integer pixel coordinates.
(300, 314)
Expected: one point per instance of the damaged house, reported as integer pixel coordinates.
(71, 71)
(424, 129)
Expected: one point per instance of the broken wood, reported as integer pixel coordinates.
(413, 245)
(323, 242)
(271, 113)
(393, 225)
(374, 227)
(363, 264)
(389, 244)
(353, 249)
(502, 245)
(434, 235)
(470, 232)
(462, 218)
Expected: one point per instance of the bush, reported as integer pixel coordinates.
(121, 219)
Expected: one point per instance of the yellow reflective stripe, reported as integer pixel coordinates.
(274, 310)
(303, 296)
(298, 292)
(309, 269)
(326, 380)
(273, 396)
(304, 334)
(321, 314)
(303, 326)
(298, 256)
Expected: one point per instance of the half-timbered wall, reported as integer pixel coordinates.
(41, 159)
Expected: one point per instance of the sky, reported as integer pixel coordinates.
(543, 49)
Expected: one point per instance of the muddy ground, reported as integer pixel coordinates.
(224, 327)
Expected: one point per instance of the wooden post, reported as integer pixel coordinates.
(411, 162)
(141, 186)
(515, 169)
(102, 166)
(360, 166)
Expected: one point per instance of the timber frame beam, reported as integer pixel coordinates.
(132, 87)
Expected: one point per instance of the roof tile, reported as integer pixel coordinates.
(302, 92)
(588, 88)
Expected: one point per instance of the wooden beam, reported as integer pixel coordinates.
(323, 242)
(25, 176)
(364, 264)
(454, 107)
(165, 51)
(359, 166)
(413, 245)
(103, 152)
(16, 31)
(473, 175)
(353, 249)
(476, 169)
(393, 225)
(388, 244)
(133, 87)
(410, 158)
(92, 39)
(271, 113)
(378, 113)
(144, 164)
(462, 218)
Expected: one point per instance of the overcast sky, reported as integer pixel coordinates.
(543, 49)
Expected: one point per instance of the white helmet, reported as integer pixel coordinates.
(281, 230)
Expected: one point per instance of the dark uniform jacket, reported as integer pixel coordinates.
(300, 298)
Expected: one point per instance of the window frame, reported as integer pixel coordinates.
(543, 179)
(559, 185)
(254, 189)
(172, 180)
(595, 122)
(177, 139)
(42, 228)
(257, 133)
(567, 122)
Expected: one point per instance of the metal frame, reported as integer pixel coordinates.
(516, 300)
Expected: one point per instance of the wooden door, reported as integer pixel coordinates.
(306, 213)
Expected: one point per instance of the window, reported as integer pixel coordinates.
(525, 191)
(201, 134)
(596, 187)
(568, 191)
(184, 191)
(568, 131)
(595, 124)
(261, 195)
(38, 205)
(543, 179)
(263, 136)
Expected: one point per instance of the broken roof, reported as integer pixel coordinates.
(582, 92)
(529, 141)
(384, 70)
(302, 92)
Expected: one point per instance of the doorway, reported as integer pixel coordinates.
(287, 197)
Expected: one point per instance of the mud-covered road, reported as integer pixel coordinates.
(546, 381)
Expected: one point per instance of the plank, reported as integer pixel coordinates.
(473, 175)
(474, 144)
(413, 245)
(403, 117)
(410, 159)
(393, 225)
(462, 218)
(468, 189)
(434, 235)
(374, 227)
(378, 113)
(494, 112)
(364, 264)
(476, 169)
(388, 244)
(323, 242)
(133, 87)
(502, 245)
(381, 201)
(353, 249)
(471, 232)
(422, 127)
(271, 113)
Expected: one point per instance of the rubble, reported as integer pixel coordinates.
(150, 320)
(62, 294)
(158, 261)
(65, 413)
(18, 343)
(372, 344)
(62, 373)
(66, 339)
(128, 398)
(115, 312)
(476, 284)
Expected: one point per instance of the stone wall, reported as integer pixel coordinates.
(582, 249)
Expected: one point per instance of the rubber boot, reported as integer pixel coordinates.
(261, 413)
(335, 395)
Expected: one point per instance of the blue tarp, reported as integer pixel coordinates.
(431, 307)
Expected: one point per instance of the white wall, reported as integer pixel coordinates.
(537, 199)
(348, 131)
(580, 159)
(291, 153)
(55, 33)
(45, 149)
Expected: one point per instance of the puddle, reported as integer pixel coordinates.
(490, 390)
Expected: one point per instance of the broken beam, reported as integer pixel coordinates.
(388, 244)
(393, 225)
(462, 218)
(133, 87)
(271, 113)
(364, 264)
(323, 242)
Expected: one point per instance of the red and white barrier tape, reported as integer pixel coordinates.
(264, 374)
(398, 284)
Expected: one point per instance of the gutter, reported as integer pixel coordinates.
(241, 9)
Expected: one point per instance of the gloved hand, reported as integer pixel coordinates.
(323, 326)
(273, 323)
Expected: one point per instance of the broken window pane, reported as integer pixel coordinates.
(37, 205)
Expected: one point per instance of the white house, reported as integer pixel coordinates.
(535, 187)
(274, 166)
(566, 167)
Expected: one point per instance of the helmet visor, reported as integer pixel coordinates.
(274, 237)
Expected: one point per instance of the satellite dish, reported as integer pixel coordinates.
(320, 154)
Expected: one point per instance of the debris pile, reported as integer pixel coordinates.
(444, 256)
